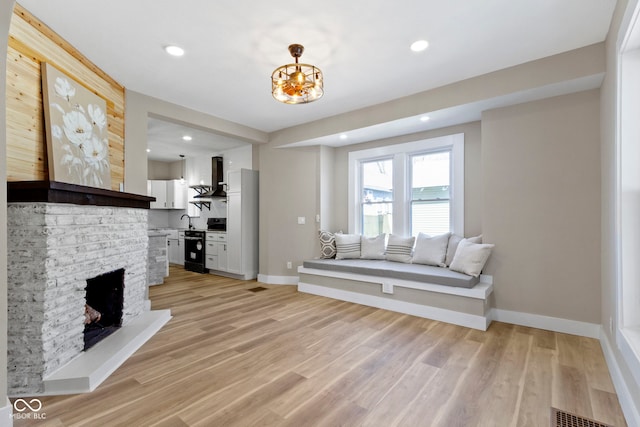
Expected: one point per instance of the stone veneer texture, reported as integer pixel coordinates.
(52, 249)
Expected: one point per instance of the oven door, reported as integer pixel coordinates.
(194, 253)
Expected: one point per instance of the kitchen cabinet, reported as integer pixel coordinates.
(157, 189)
(216, 254)
(169, 194)
(176, 247)
(242, 223)
(176, 194)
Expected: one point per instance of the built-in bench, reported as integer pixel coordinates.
(421, 290)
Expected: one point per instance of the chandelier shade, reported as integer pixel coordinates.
(297, 83)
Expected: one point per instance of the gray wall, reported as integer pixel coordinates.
(160, 170)
(541, 205)
(532, 187)
(288, 190)
(6, 11)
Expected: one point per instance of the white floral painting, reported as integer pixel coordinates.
(76, 130)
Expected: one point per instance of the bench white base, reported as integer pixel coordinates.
(428, 312)
(386, 300)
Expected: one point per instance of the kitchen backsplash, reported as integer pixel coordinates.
(159, 218)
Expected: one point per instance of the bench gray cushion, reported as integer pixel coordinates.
(396, 270)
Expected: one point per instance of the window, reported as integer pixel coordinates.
(430, 195)
(377, 196)
(408, 188)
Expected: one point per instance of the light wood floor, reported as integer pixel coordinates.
(232, 357)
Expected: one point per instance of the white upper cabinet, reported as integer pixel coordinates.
(170, 194)
(176, 194)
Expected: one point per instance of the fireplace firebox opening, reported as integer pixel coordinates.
(103, 308)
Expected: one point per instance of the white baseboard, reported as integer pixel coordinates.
(629, 409)
(556, 324)
(434, 313)
(278, 280)
(6, 412)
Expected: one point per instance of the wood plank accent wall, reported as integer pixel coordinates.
(30, 43)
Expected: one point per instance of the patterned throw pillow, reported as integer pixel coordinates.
(327, 244)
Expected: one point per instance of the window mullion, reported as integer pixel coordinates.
(400, 195)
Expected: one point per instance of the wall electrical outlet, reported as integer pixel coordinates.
(302, 220)
(289, 265)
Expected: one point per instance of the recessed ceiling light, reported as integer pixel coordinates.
(186, 138)
(174, 50)
(419, 45)
(148, 150)
(343, 136)
(425, 118)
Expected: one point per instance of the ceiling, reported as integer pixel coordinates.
(361, 46)
(165, 141)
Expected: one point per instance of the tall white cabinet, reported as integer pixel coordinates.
(242, 223)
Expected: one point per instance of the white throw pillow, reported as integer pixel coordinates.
(348, 246)
(430, 250)
(372, 247)
(399, 248)
(453, 245)
(470, 257)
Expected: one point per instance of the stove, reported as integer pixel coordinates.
(194, 253)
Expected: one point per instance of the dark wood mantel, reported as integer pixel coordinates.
(60, 192)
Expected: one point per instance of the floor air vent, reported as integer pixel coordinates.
(257, 289)
(565, 419)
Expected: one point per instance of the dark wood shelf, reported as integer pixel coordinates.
(60, 192)
(201, 203)
(201, 189)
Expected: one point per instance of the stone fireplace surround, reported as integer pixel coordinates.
(53, 248)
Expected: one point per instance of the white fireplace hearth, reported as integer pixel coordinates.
(53, 248)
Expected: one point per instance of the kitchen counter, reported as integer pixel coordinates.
(158, 233)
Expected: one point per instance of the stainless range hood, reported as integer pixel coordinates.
(217, 180)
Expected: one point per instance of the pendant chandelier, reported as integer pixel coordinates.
(297, 83)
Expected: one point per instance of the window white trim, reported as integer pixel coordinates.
(627, 228)
(401, 154)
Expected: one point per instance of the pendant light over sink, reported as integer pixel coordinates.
(297, 83)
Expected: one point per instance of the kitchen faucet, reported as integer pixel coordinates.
(190, 226)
